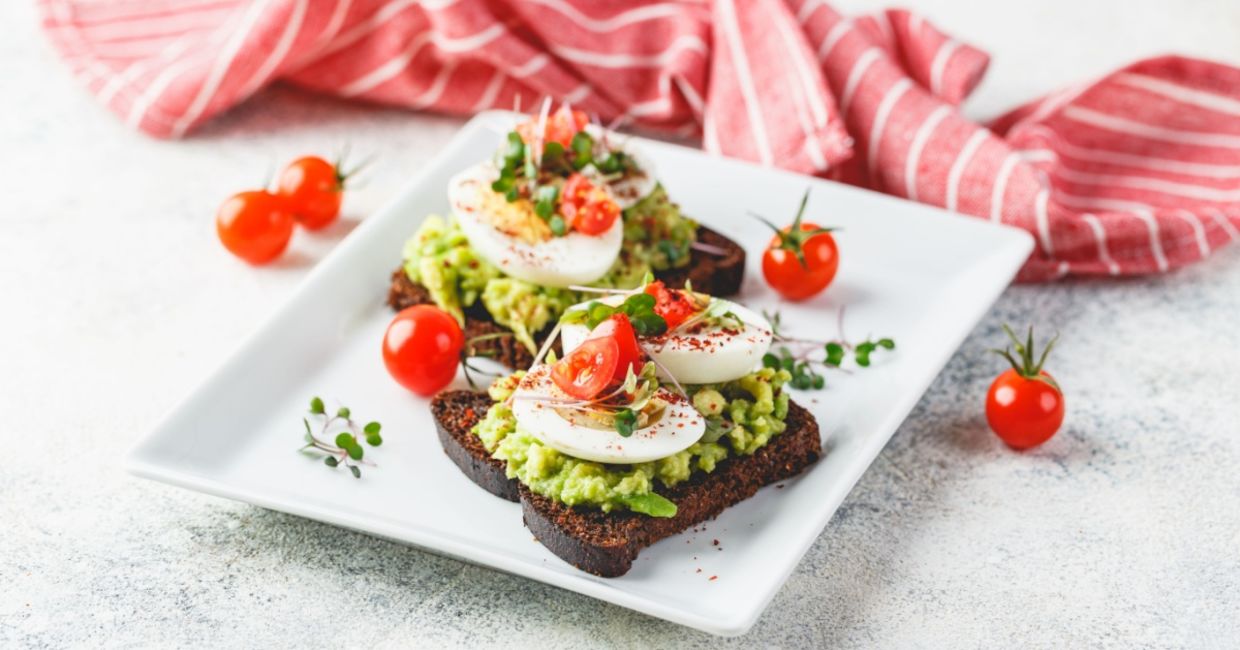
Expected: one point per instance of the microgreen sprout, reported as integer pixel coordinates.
(800, 357)
(344, 448)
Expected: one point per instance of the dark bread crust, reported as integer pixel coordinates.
(456, 412)
(606, 544)
(718, 275)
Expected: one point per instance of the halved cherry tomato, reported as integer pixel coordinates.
(672, 304)
(1024, 405)
(586, 371)
(422, 347)
(629, 352)
(254, 226)
(312, 189)
(562, 125)
(801, 259)
(586, 208)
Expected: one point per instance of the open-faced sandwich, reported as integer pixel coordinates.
(564, 204)
(659, 415)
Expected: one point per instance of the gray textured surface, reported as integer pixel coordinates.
(117, 300)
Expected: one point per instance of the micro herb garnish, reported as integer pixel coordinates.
(1023, 363)
(639, 307)
(801, 365)
(344, 448)
(582, 146)
(626, 421)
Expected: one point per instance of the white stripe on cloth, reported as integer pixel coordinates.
(1000, 188)
(606, 25)
(888, 103)
(1224, 223)
(1153, 132)
(1145, 183)
(855, 75)
(1199, 231)
(277, 54)
(1100, 236)
(834, 35)
(962, 160)
(806, 98)
(912, 162)
(1064, 149)
(684, 43)
(389, 69)
(939, 64)
(487, 98)
(1141, 211)
(808, 9)
(219, 70)
(732, 34)
(380, 18)
(1182, 94)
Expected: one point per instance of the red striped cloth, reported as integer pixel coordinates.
(1137, 172)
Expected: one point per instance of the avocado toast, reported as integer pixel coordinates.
(528, 232)
(605, 462)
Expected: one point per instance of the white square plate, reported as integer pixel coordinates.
(911, 272)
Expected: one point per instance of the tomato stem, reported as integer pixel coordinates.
(793, 238)
(1023, 362)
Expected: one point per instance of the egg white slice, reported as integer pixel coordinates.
(697, 354)
(558, 262)
(634, 186)
(573, 433)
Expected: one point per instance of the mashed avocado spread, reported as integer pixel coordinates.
(742, 415)
(438, 256)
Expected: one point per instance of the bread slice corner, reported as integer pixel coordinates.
(605, 544)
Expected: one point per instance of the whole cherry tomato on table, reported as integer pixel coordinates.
(802, 259)
(422, 347)
(312, 188)
(254, 226)
(1024, 406)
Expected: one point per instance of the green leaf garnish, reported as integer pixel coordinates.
(583, 149)
(650, 504)
(344, 448)
(626, 421)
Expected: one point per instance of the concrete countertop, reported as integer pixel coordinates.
(1123, 530)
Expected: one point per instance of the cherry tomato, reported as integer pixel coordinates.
(629, 353)
(1024, 412)
(673, 305)
(422, 347)
(312, 188)
(562, 125)
(796, 281)
(1024, 406)
(586, 371)
(254, 226)
(586, 208)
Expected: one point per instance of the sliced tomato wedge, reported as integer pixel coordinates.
(586, 371)
(562, 125)
(672, 304)
(629, 352)
(586, 208)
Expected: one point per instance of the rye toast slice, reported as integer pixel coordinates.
(606, 544)
(716, 273)
(456, 412)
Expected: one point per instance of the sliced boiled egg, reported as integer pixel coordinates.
(633, 186)
(539, 408)
(696, 353)
(515, 239)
